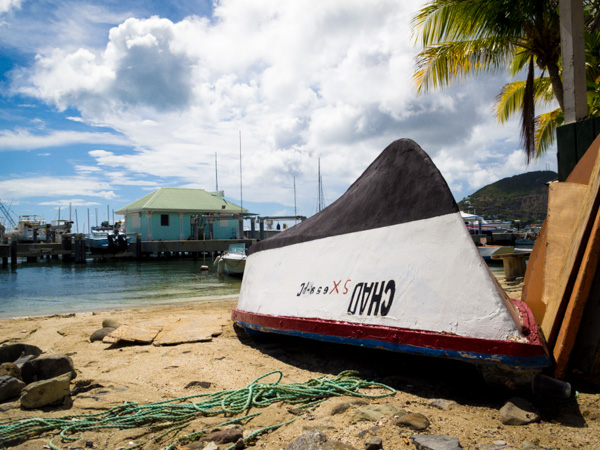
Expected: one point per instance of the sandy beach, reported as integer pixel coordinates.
(451, 395)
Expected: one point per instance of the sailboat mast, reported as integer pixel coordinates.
(241, 198)
(216, 175)
(320, 205)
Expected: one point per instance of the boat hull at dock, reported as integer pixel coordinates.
(396, 269)
(234, 264)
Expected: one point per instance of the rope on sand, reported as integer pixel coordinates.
(170, 416)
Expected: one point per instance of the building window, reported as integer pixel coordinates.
(136, 221)
(164, 220)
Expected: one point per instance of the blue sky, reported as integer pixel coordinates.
(105, 101)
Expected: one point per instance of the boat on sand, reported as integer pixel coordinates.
(396, 269)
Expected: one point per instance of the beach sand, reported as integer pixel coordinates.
(149, 373)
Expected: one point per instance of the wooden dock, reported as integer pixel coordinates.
(73, 250)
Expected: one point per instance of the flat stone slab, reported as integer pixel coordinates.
(188, 330)
(143, 334)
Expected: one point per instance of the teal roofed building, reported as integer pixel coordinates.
(167, 214)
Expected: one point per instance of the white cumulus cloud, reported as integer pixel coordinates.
(301, 80)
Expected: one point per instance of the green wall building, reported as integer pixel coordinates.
(167, 214)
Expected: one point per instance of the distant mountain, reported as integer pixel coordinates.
(521, 197)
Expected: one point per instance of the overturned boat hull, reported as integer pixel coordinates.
(389, 265)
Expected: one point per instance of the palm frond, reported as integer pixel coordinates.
(546, 131)
(528, 115)
(448, 20)
(439, 66)
(510, 99)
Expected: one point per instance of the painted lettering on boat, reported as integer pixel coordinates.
(378, 296)
(308, 288)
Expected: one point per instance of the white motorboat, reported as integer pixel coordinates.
(232, 261)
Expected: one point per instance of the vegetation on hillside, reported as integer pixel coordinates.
(521, 197)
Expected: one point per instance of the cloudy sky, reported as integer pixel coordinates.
(105, 101)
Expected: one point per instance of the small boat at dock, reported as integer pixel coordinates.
(30, 228)
(106, 239)
(397, 269)
(232, 261)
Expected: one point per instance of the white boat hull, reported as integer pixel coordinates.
(234, 265)
(389, 265)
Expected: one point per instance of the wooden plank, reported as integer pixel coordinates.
(583, 170)
(564, 203)
(557, 300)
(571, 321)
(533, 284)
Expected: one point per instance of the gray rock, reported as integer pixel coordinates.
(23, 359)
(373, 413)
(518, 411)
(10, 370)
(435, 442)
(414, 421)
(10, 405)
(374, 443)
(313, 440)
(342, 407)
(98, 335)
(227, 435)
(46, 392)
(47, 367)
(12, 352)
(336, 445)
(369, 432)
(110, 323)
(10, 387)
(441, 403)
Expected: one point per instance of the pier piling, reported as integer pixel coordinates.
(13, 252)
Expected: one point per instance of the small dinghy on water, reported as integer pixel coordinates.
(389, 265)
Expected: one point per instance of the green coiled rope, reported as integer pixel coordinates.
(170, 416)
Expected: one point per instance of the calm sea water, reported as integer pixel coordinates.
(50, 287)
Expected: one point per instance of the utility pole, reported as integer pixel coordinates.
(572, 42)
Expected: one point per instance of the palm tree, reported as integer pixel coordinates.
(462, 38)
(510, 99)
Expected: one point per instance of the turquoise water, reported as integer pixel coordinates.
(50, 287)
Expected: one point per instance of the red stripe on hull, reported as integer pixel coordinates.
(534, 346)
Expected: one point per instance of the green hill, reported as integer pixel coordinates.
(521, 197)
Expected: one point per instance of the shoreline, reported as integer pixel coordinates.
(96, 311)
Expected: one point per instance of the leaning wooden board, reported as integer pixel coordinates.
(564, 204)
(571, 321)
(533, 283)
(558, 299)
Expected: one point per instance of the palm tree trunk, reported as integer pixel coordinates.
(557, 85)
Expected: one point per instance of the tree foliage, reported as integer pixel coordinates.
(462, 38)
